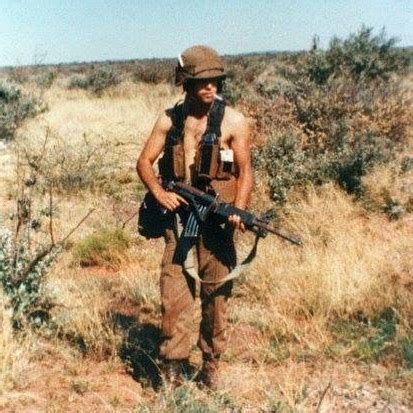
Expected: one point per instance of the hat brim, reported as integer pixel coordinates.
(206, 74)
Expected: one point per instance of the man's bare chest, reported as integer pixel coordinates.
(194, 130)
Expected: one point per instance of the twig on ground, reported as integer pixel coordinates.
(320, 402)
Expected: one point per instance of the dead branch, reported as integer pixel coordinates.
(40, 255)
(51, 215)
(320, 402)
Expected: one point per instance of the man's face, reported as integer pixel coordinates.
(204, 89)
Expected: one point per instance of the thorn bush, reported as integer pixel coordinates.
(23, 282)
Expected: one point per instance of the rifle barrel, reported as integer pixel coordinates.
(295, 240)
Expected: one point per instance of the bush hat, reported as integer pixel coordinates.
(199, 62)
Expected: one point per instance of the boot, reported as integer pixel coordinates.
(208, 375)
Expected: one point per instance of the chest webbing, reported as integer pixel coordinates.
(213, 129)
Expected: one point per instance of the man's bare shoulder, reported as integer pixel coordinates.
(164, 121)
(235, 120)
(233, 116)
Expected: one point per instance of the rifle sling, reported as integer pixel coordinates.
(186, 245)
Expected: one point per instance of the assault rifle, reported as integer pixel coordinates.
(197, 198)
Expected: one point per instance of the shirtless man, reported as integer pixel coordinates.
(186, 135)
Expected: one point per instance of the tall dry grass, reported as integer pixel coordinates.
(351, 264)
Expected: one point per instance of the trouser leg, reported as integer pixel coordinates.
(216, 255)
(177, 299)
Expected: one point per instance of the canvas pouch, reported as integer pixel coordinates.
(153, 220)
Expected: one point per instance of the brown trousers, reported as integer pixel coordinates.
(216, 257)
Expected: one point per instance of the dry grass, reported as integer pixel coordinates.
(125, 114)
(283, 349)
(350, 264)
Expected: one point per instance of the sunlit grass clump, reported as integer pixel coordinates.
(106, 247)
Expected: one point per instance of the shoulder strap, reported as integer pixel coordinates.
(215, 118)
(178, 118)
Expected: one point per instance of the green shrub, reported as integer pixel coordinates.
(406, 347)
(331, 115)
(97, 81)
(46, 79)
(22, 274)
(233, 91)
(102, 79)
(361, 57)
(106, 247)
(342, 160)
(154, 71)
(368, 339)
(14, 108)
(78, 82)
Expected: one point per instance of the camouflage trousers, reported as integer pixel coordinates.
(216, 257)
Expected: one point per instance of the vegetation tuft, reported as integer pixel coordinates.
(106, 247)
(97, 81)
(15, 107)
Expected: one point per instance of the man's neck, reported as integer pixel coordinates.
(196, 108)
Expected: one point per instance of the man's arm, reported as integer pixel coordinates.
(144, 166)
(241, 145)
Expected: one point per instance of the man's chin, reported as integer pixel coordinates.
(207, 99)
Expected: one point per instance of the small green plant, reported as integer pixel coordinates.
(26, 255)
(406, 346)
(367, 339)
(187, 398)
(106, 247)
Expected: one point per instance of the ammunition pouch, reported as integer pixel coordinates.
(172, 163)
(225, 189)
(213, 162)
(207, 158)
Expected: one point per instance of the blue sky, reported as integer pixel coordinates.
(54, 31)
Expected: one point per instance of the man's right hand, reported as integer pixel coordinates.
(169, 200)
